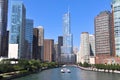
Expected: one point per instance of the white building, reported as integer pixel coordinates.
(84, 53)
(87, 48)
(13, 51)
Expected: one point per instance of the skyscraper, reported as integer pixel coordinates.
(60, 44)
(29, 37)
(67, 48)
(84, 48)
(103, 37)
(87, 48)
(17, 30)
(41, 42)
(38, 43)
(116, 25)
(103, 33)
(35, 44)
(3, 26)
(48, 50)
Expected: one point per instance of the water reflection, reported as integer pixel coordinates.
(76, 74)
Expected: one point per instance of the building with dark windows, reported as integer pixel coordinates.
(48, 50)
(116, 26)
(60, 44)
(102, 33)
(103, 36)
(67, 55)
(56, 52)
(6, 43)
(35, 43)
(29, 37)
(38, 43)
(17, 30)
(3, 27)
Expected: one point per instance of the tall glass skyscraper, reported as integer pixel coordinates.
(3, 25)
(17, 31)
(116, 22)
(29, 37)
(67, 48)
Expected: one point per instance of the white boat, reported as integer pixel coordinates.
(62, 71)
(65, 70)
(68, 70)
(64, 66)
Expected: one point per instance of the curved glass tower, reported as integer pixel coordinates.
(116, 22)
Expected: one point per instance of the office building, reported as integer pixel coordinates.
(3, 26)
(60, 44)
(48, 50)
(29, 38)
(103, 33)
(17, 30)
(116, 26)
(38, 43)
(104, 38)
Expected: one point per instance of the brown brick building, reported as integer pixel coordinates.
(48, 50)
(38, 43)
(104, 37)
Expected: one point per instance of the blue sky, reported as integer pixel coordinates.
(49, 13)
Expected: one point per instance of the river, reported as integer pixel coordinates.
(76, 74)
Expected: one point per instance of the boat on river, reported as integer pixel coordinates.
(65, 70)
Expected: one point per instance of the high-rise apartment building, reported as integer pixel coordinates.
(103, 33)
(17, 30)
(48, 50)
(87, 48)
(116, 25)
(29, 38)
(3, 26)
(83, 55)
(67, 55)
(38, 43)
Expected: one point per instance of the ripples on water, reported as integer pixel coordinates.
(76, 74)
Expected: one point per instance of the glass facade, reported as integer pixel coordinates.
(3, 25)
(67, 55)
(116, 18)
(29, 37)
(17, 31)
(67, 36)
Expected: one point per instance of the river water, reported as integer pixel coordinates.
(76, 74)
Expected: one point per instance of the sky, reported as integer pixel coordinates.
(49, 14)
